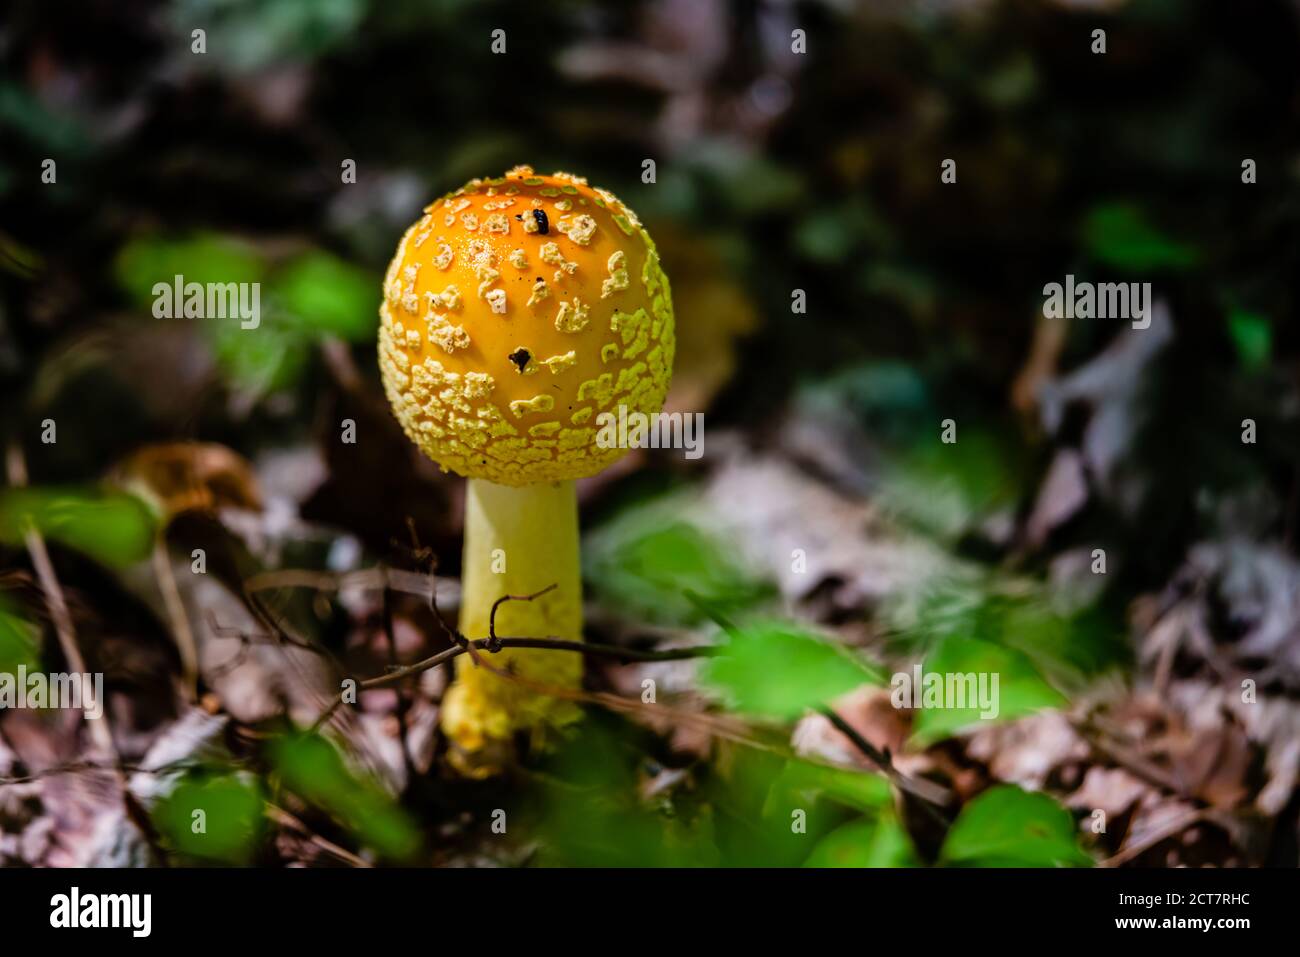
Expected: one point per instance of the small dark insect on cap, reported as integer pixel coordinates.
(543, 224)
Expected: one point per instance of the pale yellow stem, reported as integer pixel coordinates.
(517, 542)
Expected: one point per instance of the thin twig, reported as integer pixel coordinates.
(403, 702)
(493, 645)
(1173, 827)
(492, 616)
(16, 468)
(81, 767)
(371, 579)
(180, 621)
(282, 817)
(1128, 759)
(932, 795)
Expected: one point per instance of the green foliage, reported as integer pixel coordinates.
(230, 825)
(201, 258)
(866, 842)
(249, 36)
(740, 812)
(311, 767)
(20, 640)
(946, 488)
(268, 359)
(805, 783)
(1021, 688)
(114, 528)
(772, 810)
(592, 814)
(311, 295)
(328, 296)
(1252, 337)
(1120, 235)
(1068, 644)
(776, 669)
(1008, 827)
(652, 567)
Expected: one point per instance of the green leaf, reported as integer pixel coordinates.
(267, 359)
(646, 565)
(593, 814)
(806, 782)
(229, 826)
(312, 768)
(112, 527)
(1119, 234)
(20, 640)
(867, 842)
(990, 607)
(202, 258)
(1252, 336)
(1008, 827)
(775, 669)
(1020, 689)
(329, 296)
(946, 488)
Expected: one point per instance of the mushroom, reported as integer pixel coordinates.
(516, 311)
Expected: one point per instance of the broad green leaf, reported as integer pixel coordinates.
(112, 527)
(775, 669)
(866, 842)
(986, 682)
(1008, 827)
(329, 296)
(262, 360)
(1118, 234)
(647, 565)
(312, 768)
(20, 640)
(217, 818)
(808, 782)
(202, 258)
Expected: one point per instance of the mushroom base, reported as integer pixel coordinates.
(517, 542)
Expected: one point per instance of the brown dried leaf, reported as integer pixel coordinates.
(190, 476)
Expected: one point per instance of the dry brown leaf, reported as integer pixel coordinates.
(190, 476)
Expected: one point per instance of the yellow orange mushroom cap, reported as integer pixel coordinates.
(515, 312)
